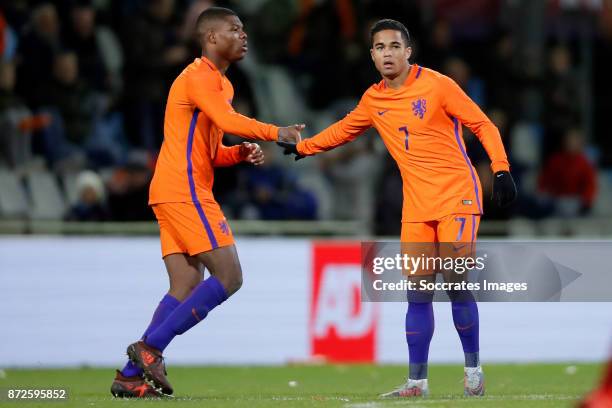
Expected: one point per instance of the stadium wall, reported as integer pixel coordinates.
(62, 297)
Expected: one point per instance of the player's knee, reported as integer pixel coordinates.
(234, 283)
(230, 278)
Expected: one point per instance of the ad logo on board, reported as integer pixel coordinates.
(342, 328)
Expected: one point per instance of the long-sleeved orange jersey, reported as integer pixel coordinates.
(198, 111)
(420, 123)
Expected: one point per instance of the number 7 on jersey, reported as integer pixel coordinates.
(405, 130)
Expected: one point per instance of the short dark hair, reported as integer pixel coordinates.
(389, 24)
(213, 13)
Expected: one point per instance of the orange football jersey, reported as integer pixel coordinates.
(420, 123)
(198, 112)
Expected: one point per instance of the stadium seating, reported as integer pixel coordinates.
(47, 199)
(13, 199)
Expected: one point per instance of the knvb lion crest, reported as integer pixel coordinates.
(224, 227)
(419, 107)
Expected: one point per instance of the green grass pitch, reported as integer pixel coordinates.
(350, 386)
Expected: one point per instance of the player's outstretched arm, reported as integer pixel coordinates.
(341, 132)
(204, 91)
(244, 152)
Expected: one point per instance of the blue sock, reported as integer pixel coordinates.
(419, 331)
(165, 307)
(465, 317)
(204, 298)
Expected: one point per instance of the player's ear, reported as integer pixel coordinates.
(408, 52)
(211, 37)
(372, 54)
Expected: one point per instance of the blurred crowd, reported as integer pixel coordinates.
(83, 86)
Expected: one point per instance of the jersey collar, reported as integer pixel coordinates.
(209, 63)
(415, 72)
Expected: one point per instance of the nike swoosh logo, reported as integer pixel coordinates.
(380, 113)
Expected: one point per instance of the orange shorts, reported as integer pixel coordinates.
(440, 238)
(452, 228)
(192, 228)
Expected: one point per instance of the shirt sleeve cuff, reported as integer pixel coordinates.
(500, 166)
(273, 133)
(236, 153)
(300, 148)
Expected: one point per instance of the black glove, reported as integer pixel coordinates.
(290, 148)
(504, 189)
